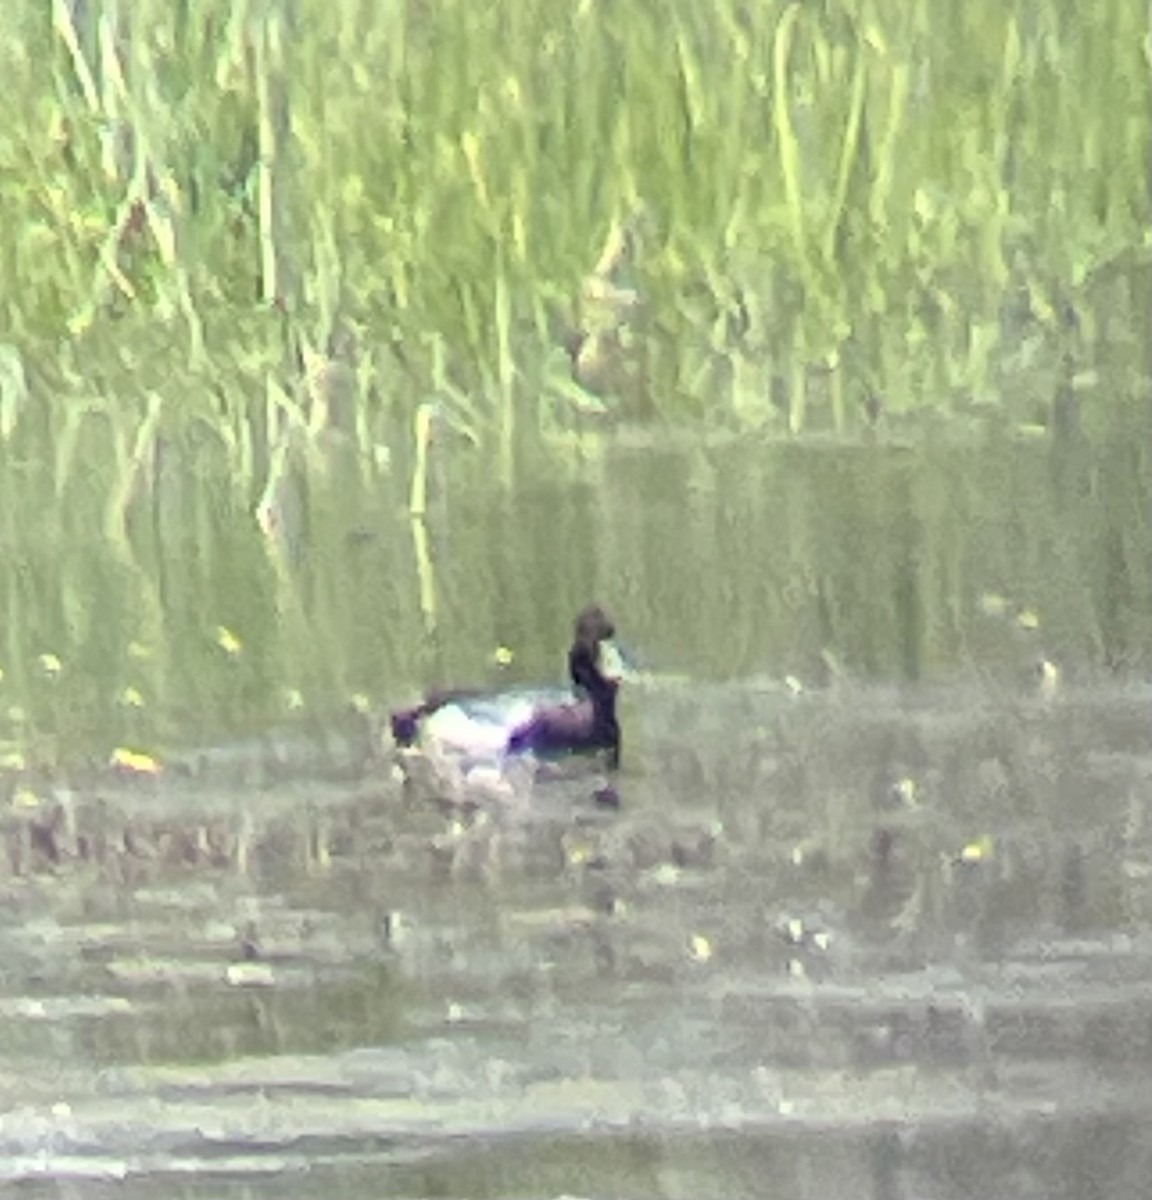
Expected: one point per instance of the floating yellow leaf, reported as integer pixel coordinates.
(12, 760)
(1028, 618)
(130, 697)
(503, 656)
(699, 948)
(25, 798)
(134, 761)
(139, 651)
(293, 699)
(50, 664)
(360, 703)
(227, 640)
(978, 850)
(578, 850)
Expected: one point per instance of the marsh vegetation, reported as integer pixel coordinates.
(348, 348)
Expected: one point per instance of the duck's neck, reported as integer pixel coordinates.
(584, 671)
(587, 679)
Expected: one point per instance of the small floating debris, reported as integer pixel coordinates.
(700, 948)
(228, 641)
(503, 656)
(133, 762)
(250, 974)
(904, 790)
(1048, 676)
(1028, 618)
(13, 760)
(578, 851)
(797, 932)
(24, 797)
(50, 664)
(978, 851)
(130, 697)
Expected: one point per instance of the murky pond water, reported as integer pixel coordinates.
(858, 942)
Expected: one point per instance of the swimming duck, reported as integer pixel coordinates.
(544, 722)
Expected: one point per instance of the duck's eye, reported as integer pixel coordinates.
(609, 662)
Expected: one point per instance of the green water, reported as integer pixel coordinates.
(720, 558)
(256, 976)
(723, 981)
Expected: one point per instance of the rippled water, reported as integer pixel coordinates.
(856, 943)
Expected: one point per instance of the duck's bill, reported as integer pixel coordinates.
(611, 662)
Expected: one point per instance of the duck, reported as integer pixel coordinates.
(477, 726)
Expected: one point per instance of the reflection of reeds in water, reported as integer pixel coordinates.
(607, 346)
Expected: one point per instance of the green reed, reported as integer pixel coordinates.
(904, 200)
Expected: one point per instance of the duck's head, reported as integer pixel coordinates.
(594, 662)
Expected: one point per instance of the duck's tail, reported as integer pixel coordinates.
(405, 722)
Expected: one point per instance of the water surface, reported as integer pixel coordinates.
(885, 941)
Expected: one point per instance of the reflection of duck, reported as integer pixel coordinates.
(546, 722)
